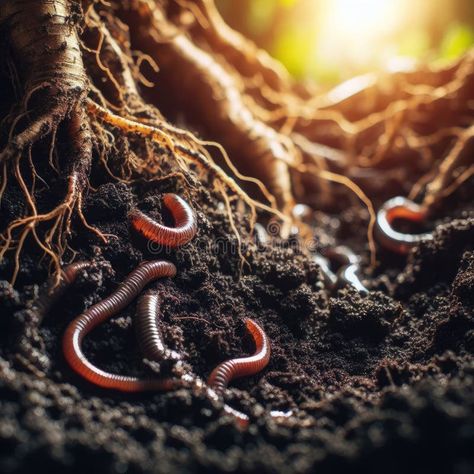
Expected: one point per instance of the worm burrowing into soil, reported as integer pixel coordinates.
(233, 368)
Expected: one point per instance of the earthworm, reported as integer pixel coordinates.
(399, 208)
(148, 332)
(233, 368)
(347, 273)
(184, 218)
(344, 256)
(349, 262)
(100, 312)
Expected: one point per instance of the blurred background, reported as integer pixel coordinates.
(332, 40)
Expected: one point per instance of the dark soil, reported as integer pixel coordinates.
(377, 383)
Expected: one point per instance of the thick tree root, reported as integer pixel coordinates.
(82, 74)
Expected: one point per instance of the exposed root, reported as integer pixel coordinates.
(244, 103)
(40, 128)
(248, 59)
(206, 143)
(255, 148)
(345, 181)
(462, 150)
(230, 215)
(60, 217)
(167, 141)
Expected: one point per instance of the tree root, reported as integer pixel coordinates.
(60, 217)
(345, 181)
(254, 147)
(90, 81)
(462, 150)
(40, 128)
(187, 152)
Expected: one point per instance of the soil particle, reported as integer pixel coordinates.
(376, 383)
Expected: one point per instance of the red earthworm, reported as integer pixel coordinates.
(399, 208)
(100, 312)
(148, 331)
(184, 218)
(233, 368)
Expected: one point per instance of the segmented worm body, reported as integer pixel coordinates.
(399, 208)
(184, 219)
(148, 331)
(100, 312)
(233, 368)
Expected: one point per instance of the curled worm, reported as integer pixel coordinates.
(399, 208)
(184, 219)
(100, 312)
(348, 272)
(148, 331)
(233, 368)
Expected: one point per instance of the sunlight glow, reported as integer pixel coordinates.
(333, 40)
(356, 31)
